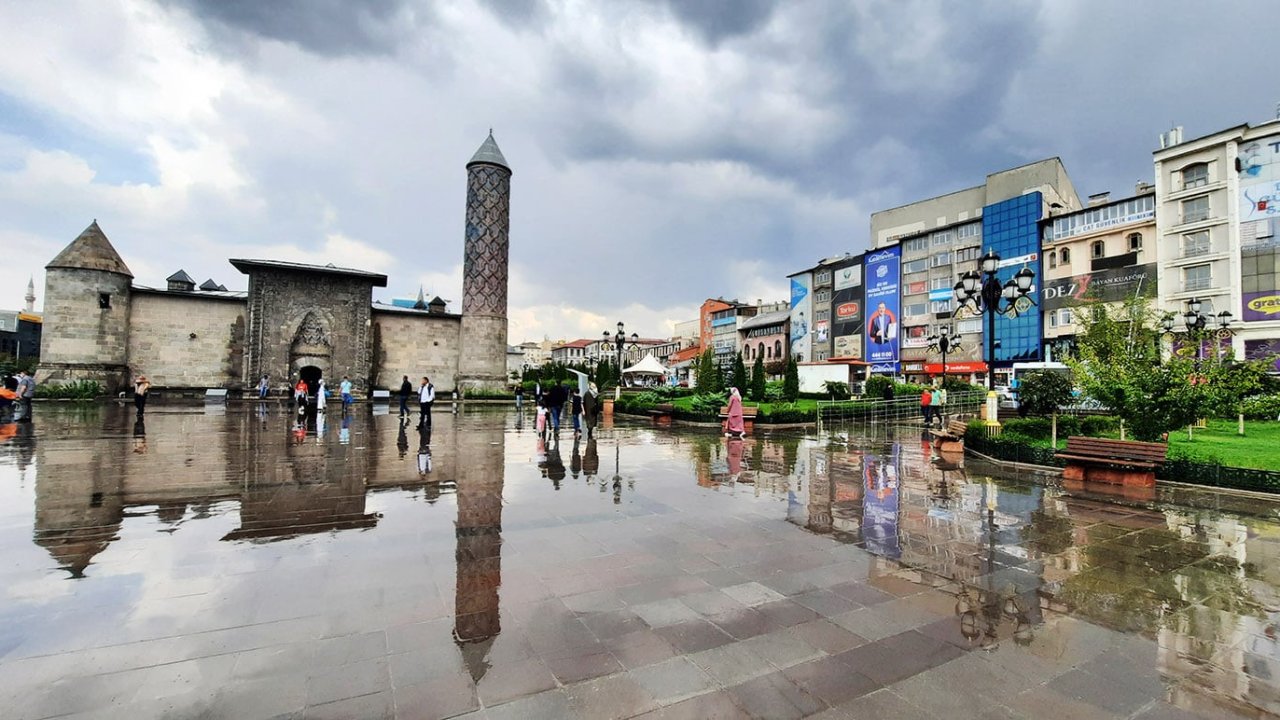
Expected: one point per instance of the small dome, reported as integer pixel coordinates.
(91, 251)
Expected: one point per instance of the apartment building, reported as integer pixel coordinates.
(1105, 252)
(1218, 212)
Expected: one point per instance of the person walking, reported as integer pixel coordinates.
(26, 393)
(735, 425)
(926, 407)
(345, 389)
(141, 386)
(264, 385)
(426, 396)
(591, 408)
(406, 389)
(576, 408)
(940, 404)
(300, 394)
(519, 397)
(322, 398)
(556, 398)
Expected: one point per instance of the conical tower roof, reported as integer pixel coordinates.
(489, 154)
(91, 251)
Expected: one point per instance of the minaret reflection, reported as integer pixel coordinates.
(478, 552)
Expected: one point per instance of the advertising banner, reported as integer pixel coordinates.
(801, 313)
(1105, 285)
(820, 331)
(846, 318)
(848, 346)
(880, 503)
(1259, 163)
(881, 287)
(847, 277)
(1268, 349)
(1262, 306)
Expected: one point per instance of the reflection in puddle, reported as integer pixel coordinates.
(197, 522)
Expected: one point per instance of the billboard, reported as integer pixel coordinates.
(846, 318)
(847, 277)
(1259, 163)
(801, 314)
(1268, 349)
(881, 287)
(1105, 285)
(1262, 306)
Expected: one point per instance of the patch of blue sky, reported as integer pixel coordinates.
(113, 163)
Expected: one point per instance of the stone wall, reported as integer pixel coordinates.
(483, 362)
(85, 341)
(279, 303)
(417, 344)
(187, 340)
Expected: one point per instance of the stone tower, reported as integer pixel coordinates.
(30, 307)
(483, 359)
(86, 302)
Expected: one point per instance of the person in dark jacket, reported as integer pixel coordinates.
(406, 389)
(555, 404)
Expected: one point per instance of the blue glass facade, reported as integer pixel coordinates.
(1011, 228)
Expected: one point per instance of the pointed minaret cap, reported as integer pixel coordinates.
(421, 304)
(91, 251)
(489, 154)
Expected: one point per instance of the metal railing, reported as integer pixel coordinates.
(898, 411)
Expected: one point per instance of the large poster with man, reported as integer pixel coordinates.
(801, 316)
(882, 276)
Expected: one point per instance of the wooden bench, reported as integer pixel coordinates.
(1116, 462)
(748, 416)
(951, 438)
(661, 413)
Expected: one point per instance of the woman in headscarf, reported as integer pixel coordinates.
(591, 407)
(735, 425)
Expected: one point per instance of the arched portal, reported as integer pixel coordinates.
(310, 374)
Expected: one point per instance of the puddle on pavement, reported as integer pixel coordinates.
(498, 545)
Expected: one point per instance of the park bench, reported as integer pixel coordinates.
(1116, 462)
(950, 438)
(661, 413)
(748, 416)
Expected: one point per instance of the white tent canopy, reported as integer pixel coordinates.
(648, 366)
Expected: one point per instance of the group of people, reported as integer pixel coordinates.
(16, 394)
(302, 393)
(584, 409)
(426, 394)
(932, 404)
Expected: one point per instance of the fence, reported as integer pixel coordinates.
(898, 411)
(1175, 469)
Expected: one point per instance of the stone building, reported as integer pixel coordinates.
(296, 321)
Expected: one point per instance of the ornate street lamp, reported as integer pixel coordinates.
(943, 343)
(983, 293)
(620, 341)
(1198, 327)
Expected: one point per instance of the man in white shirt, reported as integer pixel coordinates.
(426, 396)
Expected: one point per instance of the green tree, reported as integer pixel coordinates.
(1042, 393)
(791, 383)
(739, 379)
(757, 380)
(707, 374)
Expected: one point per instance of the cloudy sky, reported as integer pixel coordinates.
(663, 151)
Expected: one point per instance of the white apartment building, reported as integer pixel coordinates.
(1217, 216)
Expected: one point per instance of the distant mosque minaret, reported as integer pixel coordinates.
(31, 296)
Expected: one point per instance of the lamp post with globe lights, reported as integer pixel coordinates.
(982, 292)
(619, 340)
(943, 343)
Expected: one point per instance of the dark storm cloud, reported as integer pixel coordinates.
(716, 20)
(324, 27)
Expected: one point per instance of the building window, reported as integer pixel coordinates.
(1135, 242)
(916, 309)
(969, 253)
(940, 283)
(1053, 319)
(822, 278)
(822, 296)
(973, 325)
(1053, 258)
(104, 301)
(942, 237)
(940, 259)
(822, 315)
(760, 350)
(916, 245)
(1195, 209)
(1065, 256)
(1098, 249)
(1195, 175)
(777, 348)
(915, 266)
(1197, 277)
(1064, 317)
(940, 306)
(1195, 244)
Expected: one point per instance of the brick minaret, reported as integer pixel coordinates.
(483, 359)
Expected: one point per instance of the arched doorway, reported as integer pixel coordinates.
(310, 374)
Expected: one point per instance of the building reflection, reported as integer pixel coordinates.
(478, 552)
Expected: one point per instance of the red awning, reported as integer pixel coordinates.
(955, 367)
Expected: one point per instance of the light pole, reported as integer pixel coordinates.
(983, 293)
(1197, 327)
(944, 343)
(620, 341)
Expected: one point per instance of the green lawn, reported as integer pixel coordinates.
(805, 404)
(1259, 448)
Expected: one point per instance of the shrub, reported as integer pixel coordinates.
(78, 390)
(773, 392)
(785, 413)
(837, 390)
(791, 384)
(1262, 407)
(953, 385)
(708, 403)
(908, 389)
(875, 386)
(1098, 425)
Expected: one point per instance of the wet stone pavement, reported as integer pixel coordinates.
(225, 564)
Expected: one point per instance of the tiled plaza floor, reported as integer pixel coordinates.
(221, 565)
